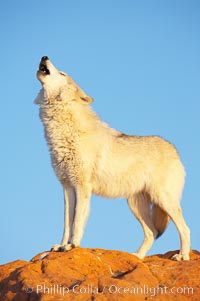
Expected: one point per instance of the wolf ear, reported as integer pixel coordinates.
(79, 94)
(84, 98)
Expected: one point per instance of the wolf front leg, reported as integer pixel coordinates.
(83, 195)
(69, 214)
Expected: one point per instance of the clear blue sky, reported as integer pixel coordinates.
(140, 61)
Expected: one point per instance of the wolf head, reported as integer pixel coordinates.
(58, 86)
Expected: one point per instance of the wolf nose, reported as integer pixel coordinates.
(44, 58)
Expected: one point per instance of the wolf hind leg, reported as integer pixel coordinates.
(173, 209)
(140, 205)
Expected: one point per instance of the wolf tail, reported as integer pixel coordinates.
(160, 219)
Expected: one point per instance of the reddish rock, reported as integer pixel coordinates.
(101, 275)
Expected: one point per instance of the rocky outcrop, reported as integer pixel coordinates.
(95, 274)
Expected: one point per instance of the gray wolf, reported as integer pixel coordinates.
(89, 158)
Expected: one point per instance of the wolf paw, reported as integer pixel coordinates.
(179, 257)
(62, 248)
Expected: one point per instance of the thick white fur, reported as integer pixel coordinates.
(90, 157)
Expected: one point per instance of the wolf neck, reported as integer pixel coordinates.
(65, 125)
(71, 115)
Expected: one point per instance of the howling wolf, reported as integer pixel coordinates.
(90, 157)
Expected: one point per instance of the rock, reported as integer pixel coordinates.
(100, 275)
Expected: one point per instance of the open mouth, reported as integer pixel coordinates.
(43, 68)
